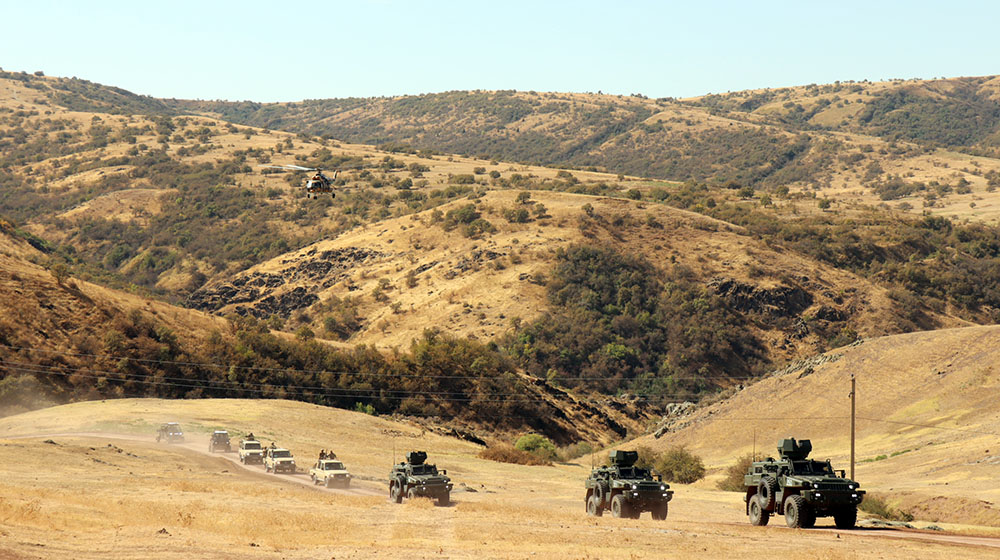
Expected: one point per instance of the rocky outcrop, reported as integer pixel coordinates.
(780, 301)
(263, 294)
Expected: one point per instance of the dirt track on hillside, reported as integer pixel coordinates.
(371, 488)
(366, 488)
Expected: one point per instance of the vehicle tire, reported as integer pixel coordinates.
(660, 511)
(601, 492)
(620, 508)
(411, 494)
(796, 512)
(329, 483)
(767, 489)
(758, 517)
(444, 499)
(808, 517)
(846, 518)
(594, 507)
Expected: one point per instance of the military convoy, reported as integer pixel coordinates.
(799, 488)
(414, 478)
(793, 485)
(625, 489)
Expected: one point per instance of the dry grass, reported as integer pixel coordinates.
(506, 453)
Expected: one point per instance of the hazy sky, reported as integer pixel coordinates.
(287, 51)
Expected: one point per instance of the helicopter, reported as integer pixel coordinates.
(317, 184)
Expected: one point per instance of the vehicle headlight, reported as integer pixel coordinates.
(815, 485)
(663, 487)
(850, 487)
(634, 486)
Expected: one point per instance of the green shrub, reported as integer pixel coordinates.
(878, 506)
(733, 481)
(536, 444)
(677, 464)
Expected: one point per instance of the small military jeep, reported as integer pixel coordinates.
(251, 451)
(801, 489)
(279, 460)
(330, 473)
(170, 432)
(416, 479)
(626, 490)
(219, 442)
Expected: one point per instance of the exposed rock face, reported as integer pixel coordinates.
(262, 294)
(781, 301)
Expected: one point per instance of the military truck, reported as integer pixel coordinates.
(625, 489)
(219, 442)
(330, 473)
(414, 478)
(170, 432)
(801, 489)
(279, 460)
(251, 451)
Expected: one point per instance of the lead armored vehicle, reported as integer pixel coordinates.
(414, 478)
(170, 432)
(219, 442)
(626, 490)
(801, 489)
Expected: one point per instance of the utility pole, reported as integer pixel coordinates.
(854, 398)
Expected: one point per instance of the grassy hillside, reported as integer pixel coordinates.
(930, 144)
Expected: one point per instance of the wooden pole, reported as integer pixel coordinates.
(854, 398)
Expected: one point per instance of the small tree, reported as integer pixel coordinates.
(523, 197)
(824, 203)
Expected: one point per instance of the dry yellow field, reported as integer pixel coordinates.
(121, 495)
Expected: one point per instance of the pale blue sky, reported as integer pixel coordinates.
(288, 51)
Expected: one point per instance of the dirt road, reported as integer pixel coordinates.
(200, 445)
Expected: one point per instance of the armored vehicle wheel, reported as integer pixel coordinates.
(594, 507)
(444, 499)
(758, 517)
(619, 507)
(660, 511)
(396, 493)
(411, 494)
(846, 518)
(766, 491)
(797, 512)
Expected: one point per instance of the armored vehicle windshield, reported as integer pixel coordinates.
(812, 467)
(424, 469)
(634, 472)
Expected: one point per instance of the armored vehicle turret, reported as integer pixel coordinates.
(414, 478)
(799, 488)
(625, 489)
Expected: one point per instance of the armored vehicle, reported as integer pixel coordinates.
(170, 432)
(251, 451)
(219, 442)
(801, 489)
(279, 460)
(625, 489)
(416, 479)
(330, 473)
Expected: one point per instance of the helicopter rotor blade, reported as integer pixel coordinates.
(291, 167)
